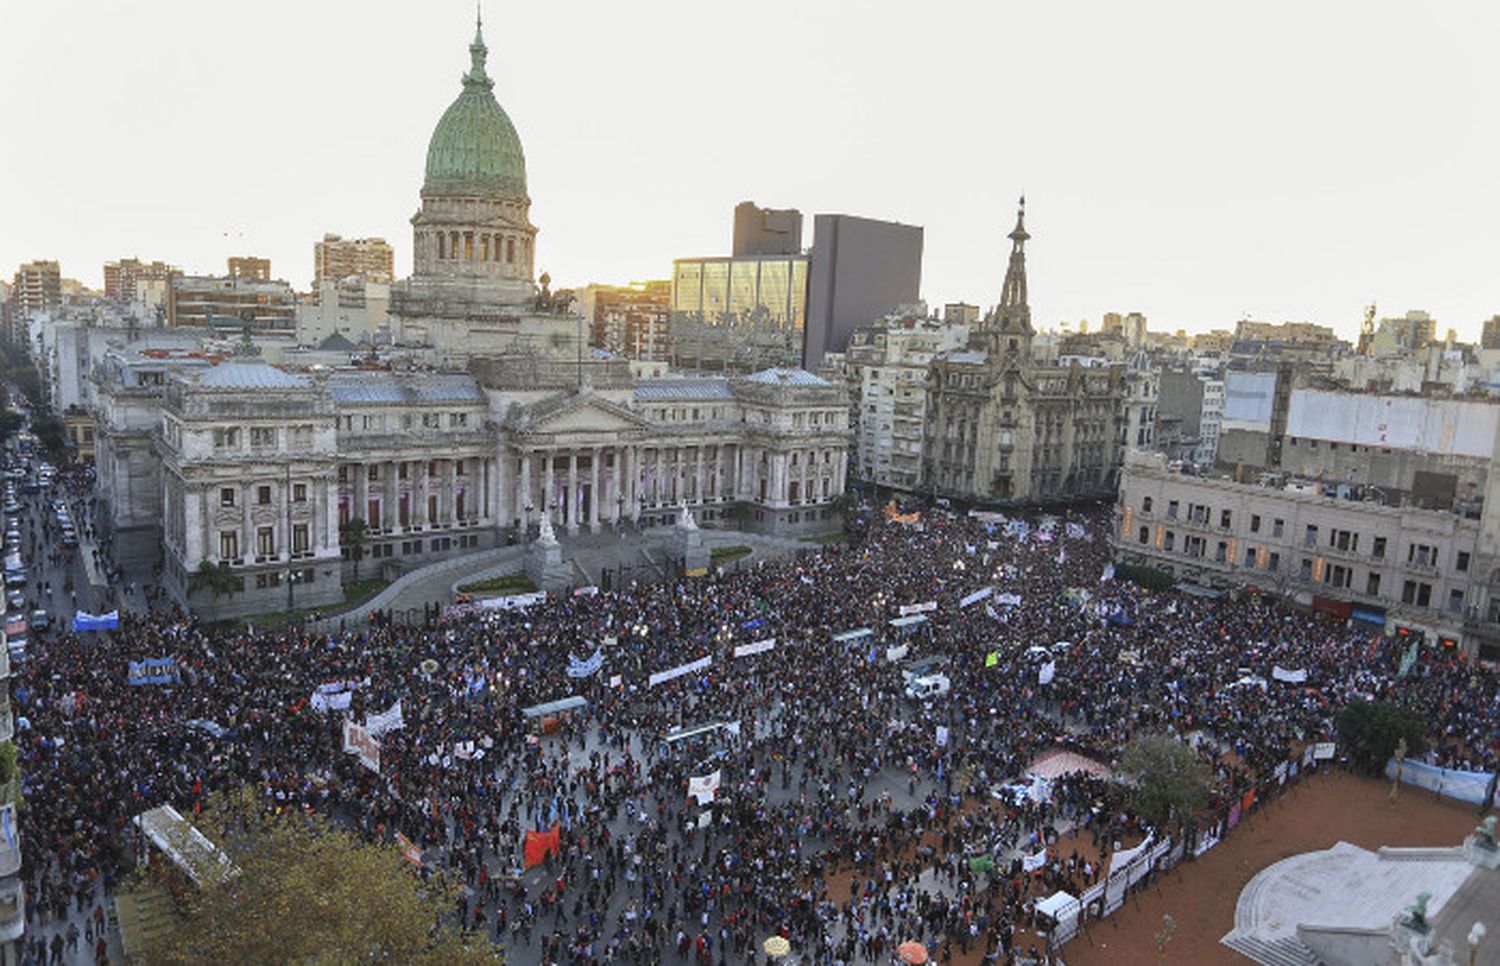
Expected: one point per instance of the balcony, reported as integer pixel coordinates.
(12, 910)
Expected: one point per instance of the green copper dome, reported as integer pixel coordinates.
(475, 150)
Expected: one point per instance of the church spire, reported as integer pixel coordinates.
(477, 77)
(1013, 295)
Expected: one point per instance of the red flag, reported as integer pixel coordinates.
(539, 844)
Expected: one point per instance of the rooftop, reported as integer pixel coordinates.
(791, 377)
(389, 388)
(250, 375)
(683, 389)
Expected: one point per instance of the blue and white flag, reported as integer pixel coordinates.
(586, 668)
(84, 621)
(153, 670)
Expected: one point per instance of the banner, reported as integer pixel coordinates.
(541, 844)
(661, 677)
(1408, 659)
(976, 597)
(1108, 575)
(1076, 531)
(410, 851)
(991, 659)
(1008, 600)
(1124, 857)
(334, 696)
(704, 787)
(583, 669)
(1466, 786)
(1323, 750)
(1047, 673)
(924, 607)
(894, 654)
(153, 670)
(358, 741)
(588, 591)
(84, 621)
(759, 647)
(1033, 862)
(941, 736)
(1290, 677)
(514, 601)
(388, 720)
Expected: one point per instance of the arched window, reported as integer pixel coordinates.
(484, 248)
(442, 250)
(468, 246)
(453, 244)
(510, 249)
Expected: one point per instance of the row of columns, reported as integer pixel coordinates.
(421, 484)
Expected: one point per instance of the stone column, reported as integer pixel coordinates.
(633, 482)
(193, 549)
(419, 487)
(390, 507)
(572, 496)
(547, 486)
(360, 494)
(525, 493)
(720, 473)
(594, 489)
(247, 528)
(700, 494)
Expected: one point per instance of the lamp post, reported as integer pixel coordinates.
(1476, 935)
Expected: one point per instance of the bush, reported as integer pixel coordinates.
(721, 555)
(1168, 781)
(1370, 730)
(1148, 577)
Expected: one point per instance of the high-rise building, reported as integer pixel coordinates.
(766, 231)
(248, 266)
(861, 269)
(232, 303)
(336, 257)
(123, 279)
(1489, 337)
(37, 287)
(738, 314)
(628, 320)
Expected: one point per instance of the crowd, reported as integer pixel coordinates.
(849, 815)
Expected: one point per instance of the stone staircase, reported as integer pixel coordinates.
(1286, 951)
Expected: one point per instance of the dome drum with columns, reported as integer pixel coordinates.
(472, 239)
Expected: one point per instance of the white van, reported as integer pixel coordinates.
(928, 687)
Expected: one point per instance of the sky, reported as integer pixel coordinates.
(1198, 162)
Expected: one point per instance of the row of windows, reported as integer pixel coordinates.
(229, 438)
(382, 422)
(463, 245)
(265, 542)
(230, 495)
(404, 470)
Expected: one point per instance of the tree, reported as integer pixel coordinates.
(51, 433)
(11, 423)
(217, 579)
(846, 504)
(1168, 781)
(1371, 731)
(352, 536)
(307, 890)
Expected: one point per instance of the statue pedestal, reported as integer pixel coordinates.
(544, 563)
(1408, 936)
(686, 543)
(1481, 853)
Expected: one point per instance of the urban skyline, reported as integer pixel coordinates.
(1292, 191)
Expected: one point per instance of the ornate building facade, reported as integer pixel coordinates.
(1002, 427)
(241, 480)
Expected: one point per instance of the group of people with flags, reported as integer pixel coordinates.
(815, 817)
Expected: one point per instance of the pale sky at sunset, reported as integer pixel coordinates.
(1193, 161)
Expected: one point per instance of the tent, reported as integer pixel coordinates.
(554, 707)
(1060, 907)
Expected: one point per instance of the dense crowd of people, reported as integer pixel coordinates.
(848, 813)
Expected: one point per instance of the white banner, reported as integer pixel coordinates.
(941, 737)
(616, 681)
(357, 741)
(387, 720)
(1033, 862)
(976, 597)
(1047, 673)
(704, 787)
(922, 608)
(897, 653)
(661, 677)
(333, 696)
(583, 669)
(706, 819)
(1124, 857)
(1008, 600)
(1323, 750)
(759, 647)
(513, 602)
(1290, 677)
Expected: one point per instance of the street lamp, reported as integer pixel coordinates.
(1476, 935)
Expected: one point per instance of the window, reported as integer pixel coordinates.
(1372, 585)
(227, 438)
(1416, 592)
(1343, 540)
(1304, 570)
(299, 538)
(226, 496)
(1171, 509)
(263, 495)
(1461, 562)
(301, 437)
(1377, 548)
(1310, 539)
(299, 492)
(1276, 527)
(1170, 541)
(262, 437)
(1456, 600)
(372, 472)
(401, 471)
(1249, 556)
(458, 419)
(1338, 575)
(1255, 523)
(1422, 554)
(458, 467)
(1221, 553)
(431, 420)
(229, 544)
(1224, 518)
(265, 542)
(1146, 504)
(1145, 534)
(1273, 562)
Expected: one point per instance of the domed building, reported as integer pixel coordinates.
(471, 288)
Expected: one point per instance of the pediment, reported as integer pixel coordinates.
(585, 416)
